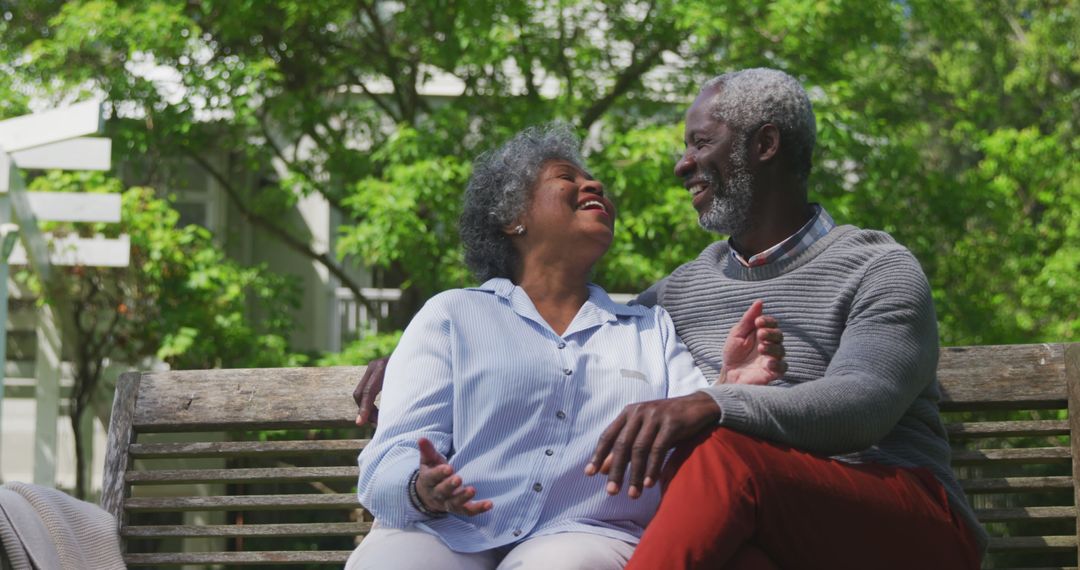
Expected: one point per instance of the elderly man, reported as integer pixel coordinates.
(844, 462)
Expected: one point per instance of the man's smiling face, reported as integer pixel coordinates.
(714, 169)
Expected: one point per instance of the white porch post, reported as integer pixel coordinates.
(6, 228)
(52, 140)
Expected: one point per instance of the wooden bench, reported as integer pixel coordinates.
(286, 498)
(1010, 412)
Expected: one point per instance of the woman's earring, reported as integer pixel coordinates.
(519, 229)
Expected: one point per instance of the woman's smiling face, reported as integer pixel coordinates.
(568, 207)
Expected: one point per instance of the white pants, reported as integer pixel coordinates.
(394, 549)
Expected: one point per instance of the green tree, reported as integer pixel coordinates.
(344, 82)
(179, 301)
(950, 125)
(959, 143)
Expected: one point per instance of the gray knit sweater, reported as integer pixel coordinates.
(862, 348)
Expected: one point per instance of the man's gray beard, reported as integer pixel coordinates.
(729, 211)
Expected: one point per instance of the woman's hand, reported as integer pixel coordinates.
(754, 349)
(440, 488)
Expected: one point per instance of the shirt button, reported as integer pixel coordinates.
(567, 371)
(538, 487)
(562, 345)
(517, 532)
(560, 414)
(549, 452)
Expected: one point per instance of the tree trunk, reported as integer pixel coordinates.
(75, 415)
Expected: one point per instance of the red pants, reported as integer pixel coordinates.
(735, 502)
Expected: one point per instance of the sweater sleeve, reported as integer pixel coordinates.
(886, 357)
(417, 401)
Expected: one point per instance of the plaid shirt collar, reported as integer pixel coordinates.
(819, 224)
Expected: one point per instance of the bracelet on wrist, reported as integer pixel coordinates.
(417, 502)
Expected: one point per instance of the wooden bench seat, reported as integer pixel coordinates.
(194, 479)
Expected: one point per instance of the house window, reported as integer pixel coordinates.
(194, 208)
(191, 187)
(193, 191)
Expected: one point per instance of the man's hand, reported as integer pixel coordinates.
(368, 389)
(754, 350)
(642, 435)
(644, 432)
(440, 488)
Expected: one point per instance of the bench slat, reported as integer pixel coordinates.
(985, 377)
(117, 460)
(1013, 484)
(243, 502)
(1031, 455)
(1042, 568)
(1072, 385)
(233, 530)
(1025, 513)
(239, 558)
(221, 400)
(1032, 543)
(246, 448)
(963, 430)
(265, 475)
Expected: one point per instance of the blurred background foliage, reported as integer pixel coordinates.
(952, 125)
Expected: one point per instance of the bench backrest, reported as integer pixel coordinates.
(1006, 408)
(293, 488)
(1010, 411)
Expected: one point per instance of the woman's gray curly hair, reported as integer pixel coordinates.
(499, 191)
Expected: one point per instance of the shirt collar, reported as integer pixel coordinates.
(598, 307)
(819, 224)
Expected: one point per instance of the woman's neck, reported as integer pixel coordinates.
(557, 293)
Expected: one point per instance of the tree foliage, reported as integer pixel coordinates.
(950, 124)
(180, 300)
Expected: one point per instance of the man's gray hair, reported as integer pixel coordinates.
(499, 191)
(749, 98)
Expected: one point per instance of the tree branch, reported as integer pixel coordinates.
(626, 80)
(393, 71)
(294, 164)
(281, 234)
(531, 90)
(379, 102)
(564, 62)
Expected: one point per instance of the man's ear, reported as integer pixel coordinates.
(766, 143)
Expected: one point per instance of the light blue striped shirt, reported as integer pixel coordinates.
(518, 409)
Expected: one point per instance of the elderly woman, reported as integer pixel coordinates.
(497, 394)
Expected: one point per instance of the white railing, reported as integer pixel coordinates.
(353, 320)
